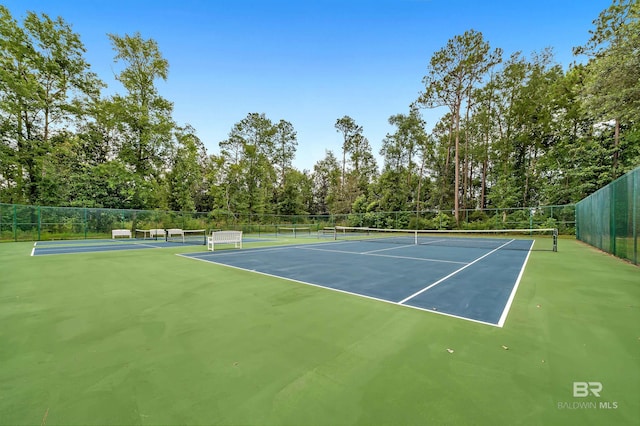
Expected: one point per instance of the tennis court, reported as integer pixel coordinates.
(476, 281)
(148, 337)
(42, 248)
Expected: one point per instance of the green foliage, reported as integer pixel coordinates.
(143, 117)
(326, 184)
(442, 221)
(185, 179)
(45, 84)
(296, 194)
(453, 72)
(612, 84)
(517, 134)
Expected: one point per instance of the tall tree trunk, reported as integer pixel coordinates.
(344, 162)
(456, 197)
(445, 178)
(424, 159)
(466, 183)
(483, 184)
(470, 189)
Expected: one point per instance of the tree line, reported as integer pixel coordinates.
(518, 131)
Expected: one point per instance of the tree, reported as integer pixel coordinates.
(326, 184)
(285, 144)
(143, 116)
(295, 194)
(350, 131)
(185, 179)
(45, 84)
(528, 108)
(612, 83)
(400, 151)
(249, 153)
(363, 169)
(453, 71)
(486, 123)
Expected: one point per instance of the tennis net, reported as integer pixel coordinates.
(508, 239)
(293, 231)
(150, 234)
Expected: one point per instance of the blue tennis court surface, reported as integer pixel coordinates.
(472, 283)
(42, 248)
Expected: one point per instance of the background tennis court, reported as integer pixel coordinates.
(42, 248)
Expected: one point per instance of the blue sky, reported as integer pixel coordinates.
(309, 62)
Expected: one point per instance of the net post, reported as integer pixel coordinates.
(555, 239)
(415, 237)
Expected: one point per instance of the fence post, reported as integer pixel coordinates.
(635, 184)
(612, 219)
(39, 221)
(15, 223)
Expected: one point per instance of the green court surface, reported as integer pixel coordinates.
(148, 337)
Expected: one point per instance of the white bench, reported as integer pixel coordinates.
(224, 237)
(120, 233)
(175, 232)
(156, 233)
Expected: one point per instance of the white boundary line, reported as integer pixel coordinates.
(368, 253)
(339, 291)
(417, 293)
(135, 247)
(507, 307)
(426, 243)
(390, 248)
(237, 252)
(204, 255)
(419, 258)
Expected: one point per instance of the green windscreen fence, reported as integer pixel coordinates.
(610, 217)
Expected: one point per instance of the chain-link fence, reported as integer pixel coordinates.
(38, 223)
(609, 218)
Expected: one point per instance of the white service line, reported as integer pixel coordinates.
(431, 242)
(426, 259)
(357, 253)
(390, 248)
(250, 251)
(406, 299)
